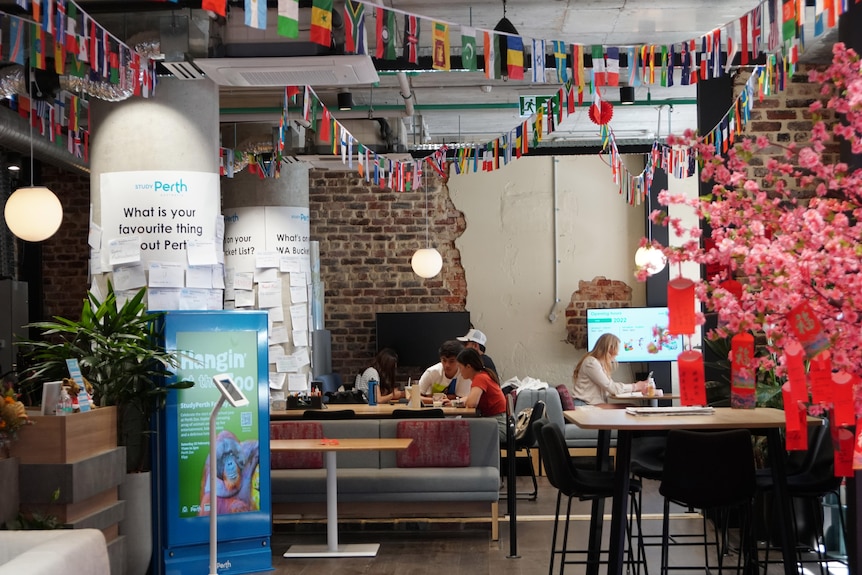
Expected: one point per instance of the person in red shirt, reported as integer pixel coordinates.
(485, 393)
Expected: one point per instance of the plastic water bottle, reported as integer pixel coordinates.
(372, 392)
(64, 404)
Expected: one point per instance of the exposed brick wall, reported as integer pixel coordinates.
(65, 256)
(598, 293)
(784, 119)
(367, 236)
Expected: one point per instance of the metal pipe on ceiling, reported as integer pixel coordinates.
(15, 135)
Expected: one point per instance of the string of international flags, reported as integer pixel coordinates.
(773, 29)
(678, 161)
(59, 35)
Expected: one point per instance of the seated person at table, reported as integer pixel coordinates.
(383, 371)
(485, 393)
(444, 377)
(475, 339)
(592, 377)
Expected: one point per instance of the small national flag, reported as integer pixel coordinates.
(440, 45)
(255, 14)
(579, 78)
(411, 38)
(539, 61)
(37, 46)
(321, 22)
(288, 18)
(634, 77)
(756, 35)
(819, 18)
(48, 17)
(613, 66)
(490, 55)
(743, 34)
(468, 48)
(560, 61)
(385, 35)
(16, 41)
(599, 75)
(217, 6)
(72, 29)
(788, 19)
(515, 57)
(354, 28)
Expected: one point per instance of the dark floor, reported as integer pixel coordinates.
(467, 549)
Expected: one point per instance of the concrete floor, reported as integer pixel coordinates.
(467, 549)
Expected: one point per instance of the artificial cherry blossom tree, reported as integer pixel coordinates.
(796, 238)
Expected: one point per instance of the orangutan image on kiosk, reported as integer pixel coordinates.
(236, 466)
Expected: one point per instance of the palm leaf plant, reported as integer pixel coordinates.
(119, 352)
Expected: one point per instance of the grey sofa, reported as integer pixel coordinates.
(575, 436)
(371, 483)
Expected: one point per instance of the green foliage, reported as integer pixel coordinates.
(32, 521)
(767, 384)
(118, 350)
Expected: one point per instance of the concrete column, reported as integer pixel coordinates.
(172, 137)
(175, 130)
(246, 195)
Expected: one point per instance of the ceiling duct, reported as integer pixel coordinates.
(290, 71)
(15, 135)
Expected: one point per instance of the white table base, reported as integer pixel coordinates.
(352, 550)
(332, 548)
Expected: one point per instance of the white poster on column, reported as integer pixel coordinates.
(287, 231)
(244, 238)
(167, 210)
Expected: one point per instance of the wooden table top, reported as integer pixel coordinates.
(588, 417)
(341, 444)
(372, 411)
(637, 395)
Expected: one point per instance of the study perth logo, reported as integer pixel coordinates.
(170, 187)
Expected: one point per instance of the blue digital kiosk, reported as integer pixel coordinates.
(210, 343)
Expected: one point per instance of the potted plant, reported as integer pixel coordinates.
(120, 355)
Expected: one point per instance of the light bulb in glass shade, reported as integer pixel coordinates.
(33, 213)
(650, 259)
(427, 262)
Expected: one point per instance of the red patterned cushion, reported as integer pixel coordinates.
(565, 398)
(296, 430)
(436, 443)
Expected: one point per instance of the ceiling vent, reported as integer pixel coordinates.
(290, 71)
(184, 70)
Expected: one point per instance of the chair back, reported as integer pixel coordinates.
(328, 414)
(708, 469)
(557, 461)
(550, 471)
(326, 383)
(433, 413)
(529, 437)
(818, 475)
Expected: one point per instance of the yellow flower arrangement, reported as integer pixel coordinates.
(12, 413)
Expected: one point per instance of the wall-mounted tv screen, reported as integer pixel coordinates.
(640, 330)
(416, 336)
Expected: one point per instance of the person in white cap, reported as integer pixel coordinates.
(475, 339)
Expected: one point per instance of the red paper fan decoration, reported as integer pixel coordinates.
(601, 114)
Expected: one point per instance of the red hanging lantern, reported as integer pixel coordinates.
(742, 393)
(601, 113)
(680, 304)
(692, 390)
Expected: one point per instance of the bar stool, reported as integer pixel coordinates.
(583, 484)
(712, 471)
(813, 479)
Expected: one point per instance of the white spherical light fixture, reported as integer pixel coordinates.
(426, 262)
(650, 259)
(33, 213)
